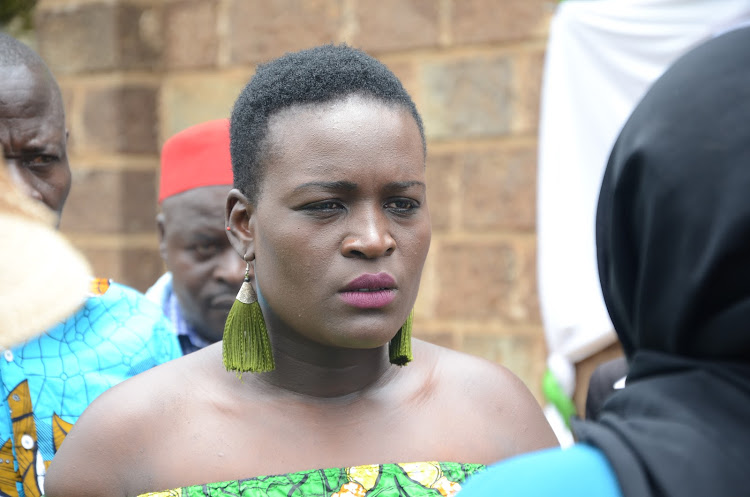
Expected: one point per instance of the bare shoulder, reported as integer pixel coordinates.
(104, 448)
(496, 401)
(476, 376)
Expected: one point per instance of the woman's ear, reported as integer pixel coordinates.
(239, 221)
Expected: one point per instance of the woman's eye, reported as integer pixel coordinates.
(328, 205)
(402, 205)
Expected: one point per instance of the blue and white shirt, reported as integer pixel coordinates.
(48, 381)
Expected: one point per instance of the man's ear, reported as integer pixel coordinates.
(162, 236)
(239, 219)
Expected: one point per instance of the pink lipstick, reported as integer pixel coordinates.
(370, 291)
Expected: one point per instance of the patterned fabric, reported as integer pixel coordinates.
(384, 480)
(48, 381)
(161, 293)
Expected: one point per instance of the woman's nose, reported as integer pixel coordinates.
(369, 237)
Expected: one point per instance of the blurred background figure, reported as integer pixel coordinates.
(43, 279)
(673, 252)
(204, 272)
(47, 381)
(601, 58)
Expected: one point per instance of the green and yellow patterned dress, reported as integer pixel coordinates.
(381, 480)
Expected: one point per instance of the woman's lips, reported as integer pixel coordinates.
(370, 291)
(369, 299)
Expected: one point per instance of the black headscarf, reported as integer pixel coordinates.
(673, 244)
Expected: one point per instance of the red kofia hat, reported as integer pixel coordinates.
(196, 157)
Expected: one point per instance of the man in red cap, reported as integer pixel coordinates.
(204, 272)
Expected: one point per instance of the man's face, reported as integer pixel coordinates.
(32, 134)
(207, 272)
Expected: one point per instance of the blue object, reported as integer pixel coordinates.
(578, 471)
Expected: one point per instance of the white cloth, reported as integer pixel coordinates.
(159, 292)
(601, 58)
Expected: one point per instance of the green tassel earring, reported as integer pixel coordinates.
(246, 346)
(399, 349)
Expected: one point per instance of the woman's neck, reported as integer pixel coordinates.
(318, 371)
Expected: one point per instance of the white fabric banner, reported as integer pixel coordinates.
(601, 57)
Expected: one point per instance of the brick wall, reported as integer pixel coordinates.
(134, 72)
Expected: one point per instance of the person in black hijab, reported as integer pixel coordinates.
(673, 246)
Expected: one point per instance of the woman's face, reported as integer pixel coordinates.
(341, 227)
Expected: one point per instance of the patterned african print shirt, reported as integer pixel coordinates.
(423, 479)
(48, 381)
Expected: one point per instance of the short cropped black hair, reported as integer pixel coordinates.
(317, 75)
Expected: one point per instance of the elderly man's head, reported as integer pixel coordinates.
(32, 125)
(196, 176)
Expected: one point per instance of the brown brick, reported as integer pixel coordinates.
(443, 179)
(69, 97)
(261, 30)
(483, 21)
(136, 267)
(99, 37)
(520, 352)
(406, 72)
(191, 39)
(529, 70)
(105, 262)
(141, 267)
(443, 339)
(189, 99)
(487, 280)
(469, 97)
(388, 25)
(120, 118)
(498, 188)
(526, 303)
(111, 202)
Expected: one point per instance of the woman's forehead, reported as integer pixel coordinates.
(343, 141)
(351, 116)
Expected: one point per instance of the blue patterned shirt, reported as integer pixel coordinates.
(48, 381)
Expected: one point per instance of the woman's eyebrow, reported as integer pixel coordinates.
(404, 185)
(394, 186)
(327, 185)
